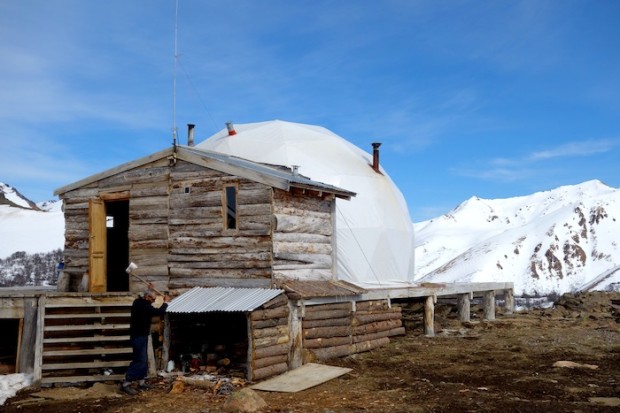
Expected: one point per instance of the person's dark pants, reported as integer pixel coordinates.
(139, 364)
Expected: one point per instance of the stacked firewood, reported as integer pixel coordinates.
(336, 330)
(270, 339)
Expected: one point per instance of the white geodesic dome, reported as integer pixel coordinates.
(374, 233)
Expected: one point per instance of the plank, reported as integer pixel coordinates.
(87, 327)
(302, 378)
(94, 339)
(84, 365)
(86, 315)
(82, 352)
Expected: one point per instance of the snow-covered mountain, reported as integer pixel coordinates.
(562, 240)
(29, 227)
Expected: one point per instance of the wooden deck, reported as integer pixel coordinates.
(79, 337)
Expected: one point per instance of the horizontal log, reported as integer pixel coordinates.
(325, 259)
(377, 326)
(270, 341)
(374, 336)
(190, 282)
(326, 332)
(269, 313)
(283, 199)
(311, 309)
(298, 247)
(269, 371)
(200, 263)
(360, 319)
(346, 350)
(272, 322)
(284, 237)
(224, 256)
(344, 321)
(223, 241)
(270, 332)
(152, 244)
(150, 202)
(310, 225)
(376, 305)
(271, 351)
(269, 361)
(304, 273)
(241, 273)
(327, 342)
(327, 314)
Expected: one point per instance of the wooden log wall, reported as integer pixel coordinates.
(176, 233)
(202, 251)
(270, 339)
(148, 216)
(302, 236)
(336, 330)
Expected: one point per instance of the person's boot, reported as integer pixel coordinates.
(143, 386)
(128, 389)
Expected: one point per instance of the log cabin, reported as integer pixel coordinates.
(251, 251)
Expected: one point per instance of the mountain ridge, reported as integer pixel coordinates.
(550, 241)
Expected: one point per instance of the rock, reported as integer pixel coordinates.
(573, 365)
(244, 401)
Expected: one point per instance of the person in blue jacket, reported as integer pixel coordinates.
(142, 312)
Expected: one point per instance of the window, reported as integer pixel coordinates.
(230, 201)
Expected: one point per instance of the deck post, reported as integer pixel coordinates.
(489, 305)
(38, 348)
(509, 304)
(429, 316)
(296, 333)
(463, 306)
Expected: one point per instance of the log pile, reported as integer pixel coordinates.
(270, 339)
(335, 330)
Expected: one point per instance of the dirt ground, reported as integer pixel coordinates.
(482, 366)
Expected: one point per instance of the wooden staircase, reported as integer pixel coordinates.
(84, 339)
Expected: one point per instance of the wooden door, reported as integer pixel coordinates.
(97, 246)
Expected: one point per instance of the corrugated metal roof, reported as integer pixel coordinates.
(204, 300)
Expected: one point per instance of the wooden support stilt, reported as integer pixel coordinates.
(429, 316)
(489, 305)
(38, 348)
(509, 305)
(463, 306)
(296, 357)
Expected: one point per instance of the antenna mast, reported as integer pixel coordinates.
(174, 76)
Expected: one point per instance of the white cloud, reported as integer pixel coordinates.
(572, 149)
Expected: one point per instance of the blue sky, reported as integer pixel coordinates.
(470, 98)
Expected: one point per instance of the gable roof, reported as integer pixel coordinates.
(266, 174)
